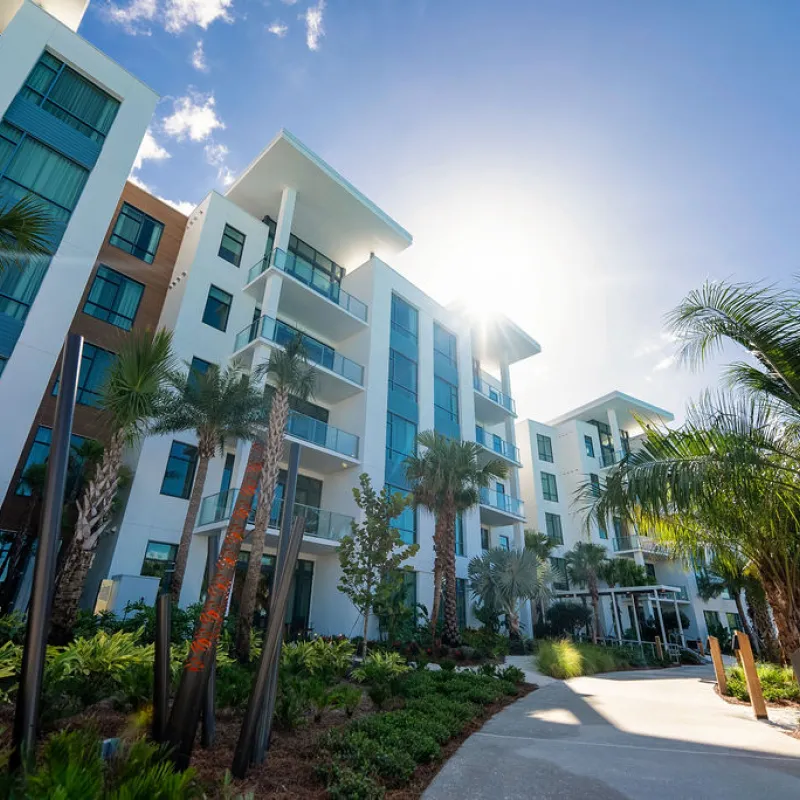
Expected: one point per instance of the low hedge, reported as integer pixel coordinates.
(778, 683)
(567, 659)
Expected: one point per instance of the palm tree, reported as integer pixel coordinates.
(290, 376)
(25, 229)
(131, 395)
(446, 480)
(501, 579)
(217, 405)
(584, 564)
(624, 572)
(542, 546)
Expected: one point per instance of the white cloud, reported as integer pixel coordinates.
(314, 29)
(179, 14)
(184, 206)
(278, 29)
(198, 59)
(226, 176)
(132, 16)
(149, 150)
(289, 2)
(665, 363)
(216, 154)
(194, 116)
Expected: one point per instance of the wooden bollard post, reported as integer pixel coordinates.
(659, 649)
(796, 664)
(719, 667)
(751, 676)
(700, 647)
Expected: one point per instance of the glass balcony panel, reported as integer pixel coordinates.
(493, 442)
(320, 433)
(493, 393)
(502, 502)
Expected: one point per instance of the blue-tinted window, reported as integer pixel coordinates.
(159, 561)
(589, 445)
(40, 451)
(179, 474)
(594, 482)
(549, 488)
(232, 245)
(136, 233)
(461, 602)
(401, 436)
(560, 579)
(218, 307)
(485, 540)
(227, 473)
(545, 447)
(402, 374)
(445, 397)
(503, 543)
(552, 523)
(445, 343)
(404, 316)
(406, 523)
(114, 298)
(95, 364)
(459, 535)
(619, 528)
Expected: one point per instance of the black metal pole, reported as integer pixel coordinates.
(26, 716)
(280, 595)
(161, 666)
(208, 732)
(289, 494)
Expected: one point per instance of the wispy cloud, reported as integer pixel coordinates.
(193, 116)
(216, 153)
(314, 29)
(665, 363)
(149, 150)
(278, 29)
(134, 16)
(289, 2)
(174, 15)
(226, 176)
(198, 59)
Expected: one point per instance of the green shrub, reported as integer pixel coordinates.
(233, 684)
(10, 665)
(348, 784)
(777, 683)
(291, 702)
(12, 628)
(347, 697)
(485, 642)
(326, 660)
(447, 664)
(567, 659)
(511, 674)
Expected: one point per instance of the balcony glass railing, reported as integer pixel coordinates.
(623, 544)
(493, 393)
(502, 502)
(313, 277)
(497, 445)
(317, 353)
(320, 523)
(683, 592)
(609, 457)
(313, 430)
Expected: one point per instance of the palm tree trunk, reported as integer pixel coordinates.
(596, 611)
(762, 622)
(438, 571)
(756, 645)
(278, 416)
(185, 715)
(366, 632)
(786, 613)
(451, 633)
(206, 451)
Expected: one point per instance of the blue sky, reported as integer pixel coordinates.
(580, 165)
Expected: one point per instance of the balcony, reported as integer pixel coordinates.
(337, 376)
(496, 446)
(216, 510)
(491, 405)
(644, 544)
(609, 457)
(683, 593)
(498, 508)
(311, 295)
(326, 448)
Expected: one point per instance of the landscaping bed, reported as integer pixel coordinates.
(778, 685)
(564, 658)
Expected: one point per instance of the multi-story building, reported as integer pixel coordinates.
(72, 121)
(293, 248)
(570, 453)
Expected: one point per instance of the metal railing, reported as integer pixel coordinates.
(623, 544)
(497, 445)
(313, 277)
(493, 393)
(502, 502)
(608, 457)
(317, 353)
(320, 523)
(321, 433)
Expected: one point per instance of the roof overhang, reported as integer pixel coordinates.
(496, 338)
(626, 407)
(330, 213)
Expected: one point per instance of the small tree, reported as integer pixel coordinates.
(372, 555)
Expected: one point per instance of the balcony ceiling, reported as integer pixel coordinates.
(496, 517)
(626, 407)
(330, 214)
(489, 412)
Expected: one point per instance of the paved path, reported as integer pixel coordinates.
(654, 735)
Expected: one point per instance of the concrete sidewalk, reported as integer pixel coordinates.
(650, 735)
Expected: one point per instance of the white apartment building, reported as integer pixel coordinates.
(565, 454)
(72, 121)
(293, 247)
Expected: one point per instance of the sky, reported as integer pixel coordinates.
(579, 166)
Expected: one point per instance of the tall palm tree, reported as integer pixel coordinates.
(289, 375)
(624, 572)
(501, 579)
(542, 546)
(584, 564)
(131, 395)
(216, 405)
(445, 480)
(25, 229)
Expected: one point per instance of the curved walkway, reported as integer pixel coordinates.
(650, 735)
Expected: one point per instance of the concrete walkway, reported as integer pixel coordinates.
(651, 735)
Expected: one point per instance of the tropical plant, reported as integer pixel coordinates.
(290, 376)
(217, 405)
(130, 397)
(26, 228)
(565, 617)
(381, 671)
(625, 572)
(446, 479)
(502, 579)
(371, 556)
(584, 564)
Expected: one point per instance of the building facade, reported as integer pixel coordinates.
(574, 451)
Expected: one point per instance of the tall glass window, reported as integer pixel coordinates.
(39, 453)
(114, 298)
(588, 443)
(401, 437)
(559, 567)
(406, 523)
(545, 447)
(460, 535)
(218, 307)
(232, 245)
(405, 318)
(552, 523)
(594, 482)
(445, 397)
(65, 94)
(136, 233)
(179, 474)
(485, 540)
(503, 543)
(402, 374)
(549, 488)
(445, 343)
(159, 561)
(95, 364)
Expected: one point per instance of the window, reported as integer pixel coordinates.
(406, 523)
(503, 543)
(159, 561)
(3, 362)
(405, 318)
(602, 530)
(179, 474)
(95, 364)
(712, 620)
(197, 368)
(549, 488)
(136, 233)
(552, 523)
(445, 343)
(619, 528)
(114, 298)
(231, 246)
(594, 480)
(588, 443)
(560, 579)
(303, 252)
(651, 571)
(545, 446)
(459, 535)
(485, 540)
(218, 307)
(227, 473)
(402, 374)
(67, 95)
(401, 437)
(445, 397)
(461, 602)
(38, 454)
(734, 621)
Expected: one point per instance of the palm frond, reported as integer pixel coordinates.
(288, 369)
(26, 228)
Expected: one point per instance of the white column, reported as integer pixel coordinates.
(283, 229)
(615, 612)
(510, 437)
(636, 620)
(678, 617)
(615, 434)
(661, 619)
